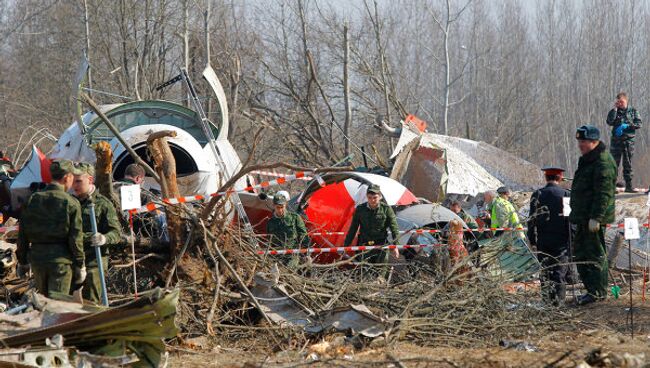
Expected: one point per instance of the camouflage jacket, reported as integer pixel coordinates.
(287, 231)
(594, 187)
(372, 224)
(107, 224)
(616, 117)
(51, 223)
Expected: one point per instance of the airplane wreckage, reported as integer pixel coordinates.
(432, 167)
(428, 168)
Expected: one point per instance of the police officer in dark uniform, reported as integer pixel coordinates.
(549, 231)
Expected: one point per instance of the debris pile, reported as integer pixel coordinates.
(258, 298)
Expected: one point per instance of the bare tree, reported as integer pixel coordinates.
(445, 27)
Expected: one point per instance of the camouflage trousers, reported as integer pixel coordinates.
(93, 284)
(590, 255)
(623, 150)
(52, 278)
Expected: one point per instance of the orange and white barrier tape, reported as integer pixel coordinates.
(194, 198)
(421, 231)
(278, 175)
(358, 248)
(479, 230)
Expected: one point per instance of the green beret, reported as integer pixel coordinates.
(374, 189)
(59, 168)
(87, 168)
(279, 199)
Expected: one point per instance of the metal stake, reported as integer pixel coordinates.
(629, 242)
(98, 255)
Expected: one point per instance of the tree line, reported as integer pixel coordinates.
(320, 75)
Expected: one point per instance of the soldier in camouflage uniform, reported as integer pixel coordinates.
(624, 120)
(286, 229)
(51, 235)
(372, 219)
(108, 228)
(592, 207)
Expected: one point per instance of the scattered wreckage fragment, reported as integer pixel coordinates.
(434, 166)
(51, 331)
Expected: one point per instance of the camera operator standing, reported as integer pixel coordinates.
(624, 120)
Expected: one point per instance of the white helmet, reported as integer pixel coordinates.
(283, 193)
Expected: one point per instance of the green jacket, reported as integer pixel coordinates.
(594, 187)
(287, 231)
(372, 224)
(504, 214)
(51, 223)
(630, 116)
(107, 224)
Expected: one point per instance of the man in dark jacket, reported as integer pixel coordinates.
(592, 207)
(548, 230)
(625, 121)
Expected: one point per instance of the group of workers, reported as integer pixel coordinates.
(57, 243)
(550, 230)
(592, 204)
(56, 240)
(592, 207)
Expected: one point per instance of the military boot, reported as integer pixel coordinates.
(629, 188)
(586, 299)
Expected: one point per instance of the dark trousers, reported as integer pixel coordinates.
(555, 269)
(590, 254)
(623, 150)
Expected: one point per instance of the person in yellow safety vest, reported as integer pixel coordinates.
(504, 214)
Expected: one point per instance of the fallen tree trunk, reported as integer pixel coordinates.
(104, 172)
(165, 166)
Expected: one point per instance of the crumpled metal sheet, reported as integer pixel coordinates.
(284, 310)
(356, 318)
(279, 306)
(440, 165)
(509, 257)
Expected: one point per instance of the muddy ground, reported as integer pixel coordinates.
(603, 326)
